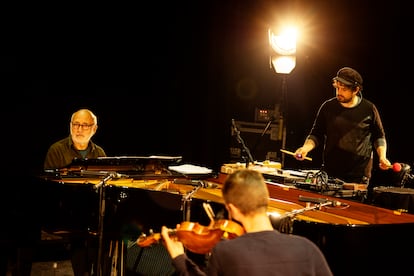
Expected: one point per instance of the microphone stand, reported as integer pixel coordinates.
(101, 186)
(263, 133)
(249, 158)
(186, 201)
(285, 223)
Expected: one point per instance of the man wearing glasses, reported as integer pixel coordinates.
(349, 128)
(78, 144)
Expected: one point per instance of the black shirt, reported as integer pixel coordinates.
(260, 253)
(349, 136)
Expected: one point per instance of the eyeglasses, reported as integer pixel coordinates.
(83, 126)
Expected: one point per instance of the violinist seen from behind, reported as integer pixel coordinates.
(261, 250)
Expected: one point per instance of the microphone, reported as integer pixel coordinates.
(233, 123)
(202, 183)
(209, 185)
(103, 173)
(312, 199)
(234, 129)
(119, 175)
(320, 200)
(396, 167)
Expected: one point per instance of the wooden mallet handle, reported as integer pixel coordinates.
(292, 153)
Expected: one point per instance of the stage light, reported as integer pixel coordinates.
(283, 56)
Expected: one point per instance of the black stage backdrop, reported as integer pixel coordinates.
(168, 78)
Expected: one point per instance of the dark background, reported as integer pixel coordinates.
(167, 78)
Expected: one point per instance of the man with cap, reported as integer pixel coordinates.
(349, 127)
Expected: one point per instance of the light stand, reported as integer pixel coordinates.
(283, 115)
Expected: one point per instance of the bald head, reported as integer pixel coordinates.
(85, 114)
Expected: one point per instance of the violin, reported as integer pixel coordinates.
(198, 238)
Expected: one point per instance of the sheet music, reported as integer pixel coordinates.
(190, 169)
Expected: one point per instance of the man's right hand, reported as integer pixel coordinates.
(300, 154)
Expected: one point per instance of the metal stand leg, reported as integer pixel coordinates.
(102, 187)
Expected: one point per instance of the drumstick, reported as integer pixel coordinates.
(292, 153)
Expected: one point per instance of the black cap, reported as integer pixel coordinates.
(349, 76)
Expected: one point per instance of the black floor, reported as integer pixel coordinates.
(52, 256)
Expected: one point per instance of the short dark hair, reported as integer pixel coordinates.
(246, 189)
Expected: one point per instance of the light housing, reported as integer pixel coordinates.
(283, 56)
